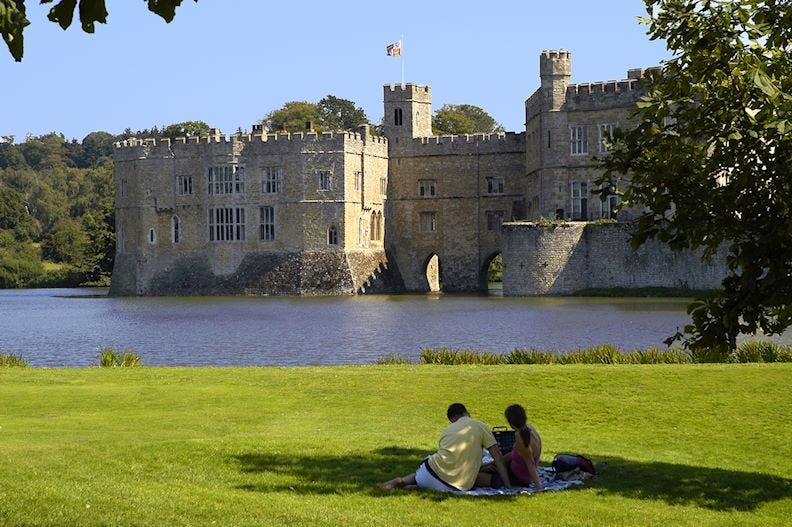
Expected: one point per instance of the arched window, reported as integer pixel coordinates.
(373, 226)
(175, 229)
(332, 236)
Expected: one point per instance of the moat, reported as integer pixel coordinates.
(67, 327)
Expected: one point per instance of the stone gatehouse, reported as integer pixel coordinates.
(351, 212)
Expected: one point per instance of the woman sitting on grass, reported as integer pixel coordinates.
(523, 461)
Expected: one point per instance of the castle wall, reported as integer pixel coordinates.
(453, 218)
(564, 259)
(287, 252)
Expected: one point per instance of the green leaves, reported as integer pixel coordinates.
(717, 179)
(12, 22)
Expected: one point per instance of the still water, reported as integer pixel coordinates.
(68, 327)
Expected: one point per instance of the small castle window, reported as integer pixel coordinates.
(358, 180)
(124, 188)
(426, 188)
(175, 229)
(579, 194)
(184, 185)
(152, 237)
(323, 177)
(272, 180)
(578, 137)
(608, 204)
(494, 185)
(397, 116)
(383, 186)
(267, 223)
(428, 222)
(332, 236)
(605, 136)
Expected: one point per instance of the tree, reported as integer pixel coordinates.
(13, 19)
(454, 119)
(341, 114)
(186, 129)
(293, 117)
(14, 214)
(711, 159)
(67, 242)
(96, 146)
(331, 113)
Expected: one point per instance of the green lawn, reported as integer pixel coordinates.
(676, 445)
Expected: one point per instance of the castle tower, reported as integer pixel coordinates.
(555, 72)
(408, 111)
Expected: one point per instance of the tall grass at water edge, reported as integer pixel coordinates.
(11, 360)
(109, 358)
(749, 351)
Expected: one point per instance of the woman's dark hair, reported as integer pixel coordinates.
(515, 415)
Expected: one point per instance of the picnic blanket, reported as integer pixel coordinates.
(549, 483)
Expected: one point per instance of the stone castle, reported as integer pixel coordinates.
(351, 212)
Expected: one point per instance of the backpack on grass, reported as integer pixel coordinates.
(566, 465)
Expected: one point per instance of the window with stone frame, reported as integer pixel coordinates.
(124, 188)
(267, 223)
(184, 185)
(226, 179)
(427, 188)
(383, 186)
(609, 202)
(605, 136)
(398, 117)
(226, 224)
(495, 185)
(579, 200)
(494, 220)
(332, 236)
(323, 180)
(358, 179)
(175, 229)
(428, 222)
(578, 137)
(272, 180)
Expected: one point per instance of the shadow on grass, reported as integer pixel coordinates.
(708, 488)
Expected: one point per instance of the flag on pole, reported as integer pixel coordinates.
(394, 50)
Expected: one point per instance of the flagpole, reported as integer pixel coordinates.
(401, 56)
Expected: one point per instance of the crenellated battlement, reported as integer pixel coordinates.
(500, 137)
(134, 148)
(612, 93)
(594, 88)
(464, 144)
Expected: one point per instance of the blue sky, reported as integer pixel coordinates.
(231, 62)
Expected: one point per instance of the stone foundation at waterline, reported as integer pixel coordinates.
(566, 258)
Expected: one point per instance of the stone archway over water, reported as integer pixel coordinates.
(433, 273)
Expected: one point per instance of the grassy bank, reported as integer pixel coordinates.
(676, 444)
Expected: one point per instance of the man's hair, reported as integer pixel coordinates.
(455, 411)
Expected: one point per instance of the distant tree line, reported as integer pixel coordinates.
(56, 210)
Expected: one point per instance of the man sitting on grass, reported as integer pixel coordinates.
(456, 463)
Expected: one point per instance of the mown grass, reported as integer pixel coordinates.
(675, 444)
